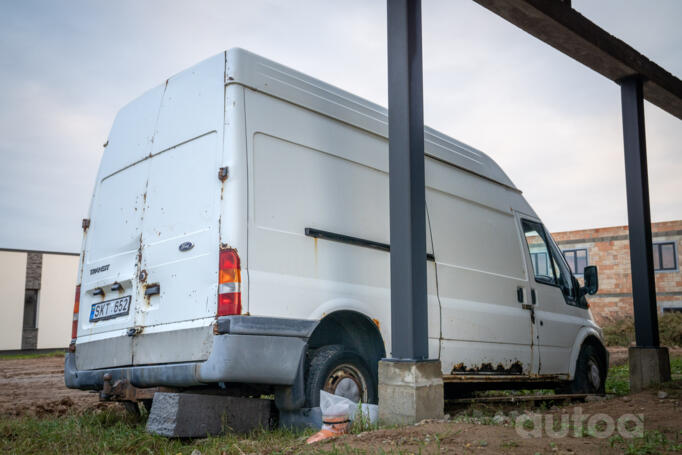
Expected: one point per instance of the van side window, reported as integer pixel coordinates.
(539, 253)
(549, 265)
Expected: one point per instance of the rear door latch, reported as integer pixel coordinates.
(152, 289)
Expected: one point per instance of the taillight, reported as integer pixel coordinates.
(229, 284)
(76, 308)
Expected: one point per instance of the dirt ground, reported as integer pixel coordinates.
(36, 387)
(660, 416)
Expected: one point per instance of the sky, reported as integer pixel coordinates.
(553, 125)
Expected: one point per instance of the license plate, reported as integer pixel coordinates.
(110, 309)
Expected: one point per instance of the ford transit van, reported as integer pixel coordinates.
(238, 240)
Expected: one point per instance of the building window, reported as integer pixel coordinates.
(664, 256)
(577, 260)
(541, 264)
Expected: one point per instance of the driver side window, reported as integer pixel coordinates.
(539, 253)
(548, 264)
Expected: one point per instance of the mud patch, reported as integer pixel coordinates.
(36, 387)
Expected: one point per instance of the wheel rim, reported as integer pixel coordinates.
(347, 381)
(593, 374)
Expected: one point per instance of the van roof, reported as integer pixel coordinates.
(259, 73)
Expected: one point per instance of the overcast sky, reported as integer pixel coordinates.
(67, 67)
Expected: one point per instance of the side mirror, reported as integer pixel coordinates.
(591, 279)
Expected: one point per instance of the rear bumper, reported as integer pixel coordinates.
(247, 349)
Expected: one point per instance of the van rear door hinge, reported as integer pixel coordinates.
(223, 172)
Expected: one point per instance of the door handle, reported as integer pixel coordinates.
(519, 294)
(533, 299)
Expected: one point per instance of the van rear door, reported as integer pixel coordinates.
(179, 260)
(154, 235)
(112, 245)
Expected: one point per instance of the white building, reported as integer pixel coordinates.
(37, 292)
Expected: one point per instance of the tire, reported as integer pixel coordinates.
(590, 373)
(340, 371)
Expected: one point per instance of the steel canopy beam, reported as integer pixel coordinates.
(563, 28)
(409, 335)
(639, 217)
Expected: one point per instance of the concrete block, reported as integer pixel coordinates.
(649, 367)
(185, 415)
(410, 391)
(301, 419)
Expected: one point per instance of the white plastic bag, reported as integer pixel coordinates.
(336, 405)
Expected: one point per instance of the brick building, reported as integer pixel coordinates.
(609, 249)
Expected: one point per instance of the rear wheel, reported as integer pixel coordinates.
(339, 371)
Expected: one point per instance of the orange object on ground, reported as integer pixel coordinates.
(332, 426)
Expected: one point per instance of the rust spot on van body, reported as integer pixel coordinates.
(315, 253)
(223, 173)
(487, 368)
(139, 254)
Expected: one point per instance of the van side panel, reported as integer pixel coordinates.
(481, 269)
(307, 170)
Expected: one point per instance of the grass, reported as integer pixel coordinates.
(113, 431)
(36, 355)
(651, 442)
(618, 380)
(621, 332)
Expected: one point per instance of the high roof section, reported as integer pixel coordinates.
(266, 76)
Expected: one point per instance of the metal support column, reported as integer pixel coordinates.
(639, 217)
(409, 334)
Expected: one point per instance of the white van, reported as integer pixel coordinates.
(238, 238)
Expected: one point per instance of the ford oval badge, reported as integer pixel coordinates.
(186, 246)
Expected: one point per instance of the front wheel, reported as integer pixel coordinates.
(339, 371)
(590, 373)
